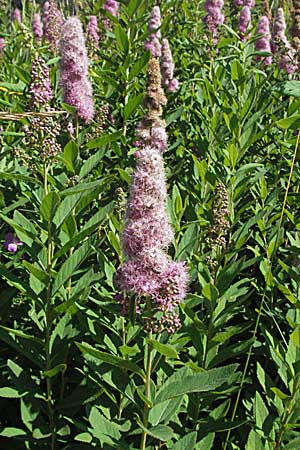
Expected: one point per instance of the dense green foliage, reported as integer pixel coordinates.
(72, 368)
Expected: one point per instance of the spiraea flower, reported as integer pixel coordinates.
(112, 7)
(280, 45)
(53, 21)
(214, 17)
(244, 22)
(263, 42)
(167, 68)
(2, 45)
(39, 87)
(153, 42)
(17, 15)
(295, 27)
(93, 33)
(148, 272)
(37, 26)
(11, 243)
(77, 89)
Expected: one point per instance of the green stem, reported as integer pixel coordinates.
(147, 391)
(48, 322)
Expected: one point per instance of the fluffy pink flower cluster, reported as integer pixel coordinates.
(53, 21)
(37, 27)
(17, 15)
(148, 271)
(263, 43)
(39, 87)
(167, 67)
(244, 22)
(77, 89)
(2, 45)
(214, 17)
(280, 45)
(93, 32)
(153, 43)
(112, 7)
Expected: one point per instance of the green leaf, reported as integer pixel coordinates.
(132, 104)
(161, 432)
(55, 370)
(104, 139)
(40, 274)
(174, 116)
(71, 153)
(70, 265)
(187, 442)
(164, 349)
(121, 38)
(110, 359)
(261, 411)
(49, 206)
(293, 445)
(91, 162)
(11, 432)
(292, 123)
(295, 337)
(198, 382)
(291, 88)
(164, 411)
(139, 65)
(65, 208)
(8, 392)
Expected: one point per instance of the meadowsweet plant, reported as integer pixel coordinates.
(153, 42)
(167, 68)
(263, 43)
(93, 34)
(2, 45)
(244, 22)
(214, 17)
(76, 86)
(17, 17)
(52, 21)
(280, 45)
(37, 27)
(39, 87)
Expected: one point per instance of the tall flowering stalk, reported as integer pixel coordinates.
(37, 27)
(167, 67)
(17, 15)
(157, 283)
(153, 42)
(53, 21)
(280, 44)
(93, 34)
(214, 17)
(2, 45)
(112, 7)
(263, 42)
(39, 87)
(77, 89)
(244, 22)
(295, 28)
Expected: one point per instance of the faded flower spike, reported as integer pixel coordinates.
(11, 243)
(77, 89)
